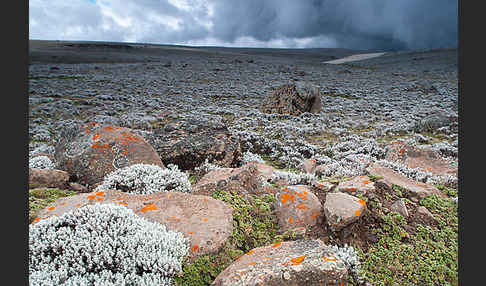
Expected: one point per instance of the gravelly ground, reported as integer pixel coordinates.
(365, 104)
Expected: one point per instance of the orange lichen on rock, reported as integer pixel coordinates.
(297, 260)
(351, 189)
(302, 207)
(149, 207)
(291, 219)
(366, 182)
(37, 219)
(252, 263)
(329, 259)
(287, 197)
(315, 214)
(195, 248)
(250, 252)
(276, 244)
(357, 213)
(362, 202)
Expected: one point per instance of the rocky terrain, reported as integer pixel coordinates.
(365, 180)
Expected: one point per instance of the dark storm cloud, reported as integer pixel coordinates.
(361, 24)
(355, 24)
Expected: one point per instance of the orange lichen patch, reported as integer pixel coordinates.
(119, 199)
(287, 197)
(109, 128)
(99, 198)
(78, 205)
(191, 233)
(303, 195)
(123, 203)
(351, 189)
(37, 219)
(315, 214)
(100, 193)
(402, 150)
(51, 208)
(329, 259)
(266, 257)
(252, 263)
(91, 197)
(149, 207)
(428, 169)
(195, 248)
(250, 252)
(96, 136)
(291, 219)
(366, 182)
(276, 244)
(395, 143)
(175, 218)
(205, 219)
(297, 260)
(302, 207)
(357, 213)
(362, 202)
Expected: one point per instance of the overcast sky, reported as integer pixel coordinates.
(355, 24)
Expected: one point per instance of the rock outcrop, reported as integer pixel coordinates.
(91, 151)
(342, 209)
(206, 222)
(293, 100)
(301, 262)
(48, 178)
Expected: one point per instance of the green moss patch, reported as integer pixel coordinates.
(253, 226)
(427, 257)
(40, 198)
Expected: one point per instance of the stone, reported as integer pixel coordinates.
(78, 188)
(322, 186)
(357, 185)
(422, 159)
(293, 100)
(308, 166)
(48, 178)
(413, 189)
(91, 151)
(297, 207)
(187, 143)
(399, 207)
(424, 215)
(206, 222)
(342, 209)
(300, 262)
(248, 179)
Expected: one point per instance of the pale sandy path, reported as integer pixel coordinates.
(353, 58)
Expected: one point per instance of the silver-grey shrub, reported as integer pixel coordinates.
(147, 179)
(103, 244)
(41, 162)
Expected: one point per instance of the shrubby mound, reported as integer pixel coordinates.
(147, 179)
(103, 245)
(41, 162)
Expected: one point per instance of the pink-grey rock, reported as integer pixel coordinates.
(91, 151)
(248, 179)
(297, 207)
(357, 185)
(206, 222)
(308, 166)
(342, 209)
(323, 186)
(414, 189)
(300, 262)
(424, 215)
(48, 178)
(399, 207)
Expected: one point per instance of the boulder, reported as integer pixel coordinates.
(300, 262)
(414, 189)
(422, 214)
(91, 151)
(357, 185)
(293, 100)
(206, 222)
(48, 178)
(342, 209)
(308, 166)
(297, 207)
(399, 207)
(187, 143)
(248, 179)
(422, 159)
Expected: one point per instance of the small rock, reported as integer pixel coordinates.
(399, 207)
(48, 178)
(308, 166)
(424, 215)
(342, 209)
(297, 206)
(357, 185)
